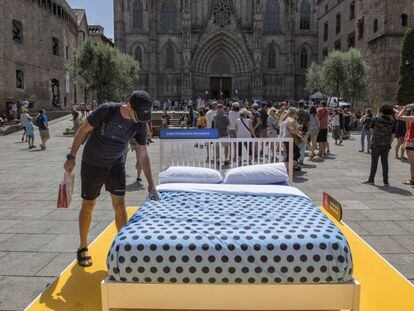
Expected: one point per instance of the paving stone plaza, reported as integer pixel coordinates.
(37, 241)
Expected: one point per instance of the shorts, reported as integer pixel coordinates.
(226, 144)
(30, 136)
(323, 136)
(263, 133)
(232, 133)
(93, 178)
(44, 134)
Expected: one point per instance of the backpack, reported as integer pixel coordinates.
(101, 127)
(38, 120)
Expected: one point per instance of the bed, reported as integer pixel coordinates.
(230, 247)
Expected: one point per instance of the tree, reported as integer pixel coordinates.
(341, 74)
(334, 71)
(106, 70)
(357, 70)
(405, 93)
(314, 78)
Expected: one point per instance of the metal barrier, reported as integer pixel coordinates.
(225, 153)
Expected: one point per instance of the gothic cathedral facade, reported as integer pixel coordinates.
(219, 48)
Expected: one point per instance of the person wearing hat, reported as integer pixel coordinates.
(110, 128)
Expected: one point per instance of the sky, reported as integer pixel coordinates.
(98, 12)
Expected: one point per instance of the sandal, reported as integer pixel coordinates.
(82, 260)
(409, 183)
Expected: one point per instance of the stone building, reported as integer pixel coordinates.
(219, 48)
(38, 42)
(97, 34)
(376, 28)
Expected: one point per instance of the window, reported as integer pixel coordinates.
(375, 26)
(49, 5)
(55, 93)
(54, 8)
(221, 13)
(272, 16)
(138, 55)
(352, 11)
(338, 23)
(67, 52)
(169, 56)
(271, 54)
(55, 46)
(44, 3)
(326, 8)
(351, 40)
(138, 15)
(337, 45)
(325, 53)
(17, 31)
(169, 15)
(404, 20)
(360, 28)
(325, 31)
(305, 15)
(304, 58)
(19, 79)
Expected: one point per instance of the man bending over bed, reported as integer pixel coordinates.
(107, 132)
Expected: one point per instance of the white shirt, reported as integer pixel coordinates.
(233, 116)
(14, 108)
(210, 118)
(24, 117)
(200, 104)
(242, 130)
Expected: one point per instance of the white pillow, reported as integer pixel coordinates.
(186, 174)
(262, 174)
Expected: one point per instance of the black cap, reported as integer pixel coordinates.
(142, 105)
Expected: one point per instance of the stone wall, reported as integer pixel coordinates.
(34, 57)
(380, 44)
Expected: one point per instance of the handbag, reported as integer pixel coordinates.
(66, 191)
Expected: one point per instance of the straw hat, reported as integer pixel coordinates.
(271, 109)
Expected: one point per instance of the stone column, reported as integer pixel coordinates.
(153, 40)
(290, 40)
(119, 25)
(257, 85)
(186, 88)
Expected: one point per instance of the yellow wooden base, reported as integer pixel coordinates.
(382, 287)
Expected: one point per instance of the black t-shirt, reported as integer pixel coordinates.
(383, 128)
(109, 140)
(367, 124)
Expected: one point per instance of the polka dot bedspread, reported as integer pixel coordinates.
(220, 238)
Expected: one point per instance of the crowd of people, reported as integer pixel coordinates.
(309, 124)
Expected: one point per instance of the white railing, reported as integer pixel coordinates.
(211, 152)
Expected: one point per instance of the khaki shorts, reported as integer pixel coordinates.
(44, 134)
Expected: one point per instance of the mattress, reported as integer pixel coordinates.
(230, 234)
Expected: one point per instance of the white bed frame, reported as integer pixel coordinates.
(210, 152)
(227, 297)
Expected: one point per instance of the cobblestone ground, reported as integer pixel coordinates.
(37, 241)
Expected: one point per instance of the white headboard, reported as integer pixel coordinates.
(210, 152)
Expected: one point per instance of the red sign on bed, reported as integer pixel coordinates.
(332, 206)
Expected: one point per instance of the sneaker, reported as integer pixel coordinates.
(139, 180)
(367, 182)
(362, 150)
(386, 184)
(227, 162)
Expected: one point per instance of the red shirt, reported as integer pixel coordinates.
(323, 117)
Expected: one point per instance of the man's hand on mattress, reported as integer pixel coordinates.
(153, 194)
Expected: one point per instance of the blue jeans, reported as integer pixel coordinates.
(368, 135)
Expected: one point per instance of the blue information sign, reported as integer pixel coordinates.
(189, 134)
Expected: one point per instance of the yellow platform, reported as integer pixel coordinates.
(382, 287)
